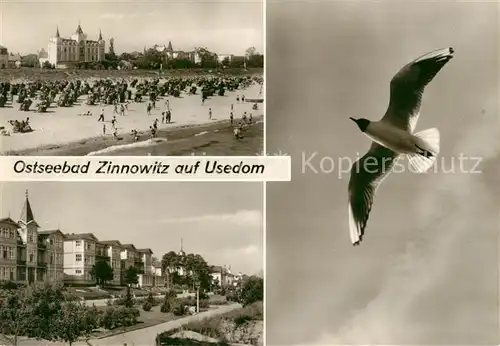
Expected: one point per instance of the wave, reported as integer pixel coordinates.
(143, 144)
(201, 133)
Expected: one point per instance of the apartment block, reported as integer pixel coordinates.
(79, 258)
(51, 246)
(113, 249)
(158, 277)
(8, 249)
(146, 274)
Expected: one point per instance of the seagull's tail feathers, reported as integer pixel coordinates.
(426, 150)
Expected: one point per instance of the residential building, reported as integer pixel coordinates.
(222, 276)
(52, 241)
(146, 274)
(158, 277)
(4, 57)
(77, 48)
(79, 258)
(222, 57)
(170, 53)
(130, 257)
(114, 249)
(14, 60)
(30, 257)
(8, 249)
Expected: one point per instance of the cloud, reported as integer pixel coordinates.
(121, 16)
(242, 217)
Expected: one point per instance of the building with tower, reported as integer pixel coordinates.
(63, 52)
(28, 255)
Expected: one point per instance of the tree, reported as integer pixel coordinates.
(169, 264)
(208, 59)
(46, 64)
(129, 300)
(250, 52)
(252, 290)
(112, 47)
(15, 314)
(102, 272)
(73, 322)
(225, 62)
(131, 276)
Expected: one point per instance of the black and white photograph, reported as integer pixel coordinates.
(388, 233)
(132, 78)
(131, 264)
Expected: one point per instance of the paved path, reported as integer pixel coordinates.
(140, 337)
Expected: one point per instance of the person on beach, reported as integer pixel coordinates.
(169, 117)
(244, 116)
(232, 107)
(149, 108)
(101, 116)
(153, 132)
(154, 104)
(104, 129)
(163, 118)
(122, 110)
(237, 133)
(115, 109)
(113, 122)
(126, 104)
(135, 134)
(115, 133)
(238, 98)
(155, 124)
(231, 118)
(250, 118)
(210, 113)
(243, 98)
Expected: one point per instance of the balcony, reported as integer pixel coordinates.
(102, 256)
(42, 246)
(42, 265)
(21, 263)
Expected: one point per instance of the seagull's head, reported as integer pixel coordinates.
(362, 123)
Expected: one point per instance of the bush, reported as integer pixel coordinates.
(150, 299)
(9, 285)
(178, 307)
(114, 317)
(147, 306)
(166, 306)
(252, 291)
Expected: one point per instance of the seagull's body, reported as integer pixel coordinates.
(393, 136)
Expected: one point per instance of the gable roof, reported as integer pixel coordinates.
(10, 222)
(145, 251)
(80, 236)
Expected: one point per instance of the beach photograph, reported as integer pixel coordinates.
(132, 78)
(388, 233)
(182, 267)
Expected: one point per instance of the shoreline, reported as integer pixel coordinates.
(181, 140)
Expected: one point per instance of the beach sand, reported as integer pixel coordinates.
(212, 139)
(62, 130)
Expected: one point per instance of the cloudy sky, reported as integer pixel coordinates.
(222, 222)
(225, 27)
(427, 270)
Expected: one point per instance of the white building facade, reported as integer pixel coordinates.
(77, 48)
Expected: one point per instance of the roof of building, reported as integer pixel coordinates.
(10, 222)
(50, 231)
(145, 250)
(111, 242)
(129, 246)
(27, 217)
(80, 236)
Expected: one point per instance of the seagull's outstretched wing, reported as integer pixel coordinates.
(366, 175)
(408, 85)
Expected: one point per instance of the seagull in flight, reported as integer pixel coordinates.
(393, 136)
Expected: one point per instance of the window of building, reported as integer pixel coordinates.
(31, 258)
(78, 257)
(30, 236)
(78, 243)
(51, 258)
(78, 272)
(11, 275)
(87, 245)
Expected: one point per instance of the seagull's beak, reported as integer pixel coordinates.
(353, 119)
